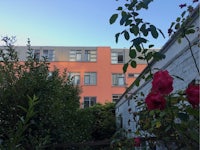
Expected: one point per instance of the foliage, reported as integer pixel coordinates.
(137, 31)
(120, 141)
(57, 118)
(103, 120)
(176, 123)
(58, 99)
(16, 136)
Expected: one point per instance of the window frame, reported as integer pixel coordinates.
(115, 57)
(90, 101)
(75, 55)
(50, 56)
(73, 76)
(116, 99)
(90, 79)
(116, 79)
(36, 54)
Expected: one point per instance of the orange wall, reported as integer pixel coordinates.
(103, 90)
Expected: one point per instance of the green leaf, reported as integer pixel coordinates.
(138, 47)
(128, 22)
(138, 21)
(168, 128)
(135, 14)
(125, 67)
(124, 17)
(146, 2)
(113, 18)
(179, 40)
(149, 55)
(158, 56)
(137, 82)
(140, 57)
(172, 24)
(194, 135)
(144, 51)
(158, 124)
(190, 31)
(150, 76)
(150, 46)
(177, 26)
(183, 14)
(126, 35)
(132, 53)
(141, 5)
(144, 30)
(154, 32)
(178, 19)
(134, 30)
(119, 8)
(137, 42)
(183, 116)
(132, 4)
(117, 37)
(22, 108)
(133, 64)
(193, 111)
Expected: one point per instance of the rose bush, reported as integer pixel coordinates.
(161, 86)
(166, 116)
(192, 93)
(137, 142)
(162, 82)
(155, 101)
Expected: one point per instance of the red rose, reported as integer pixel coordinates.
(155, 101)
(192, 93)
(162, 82)
(137, 142)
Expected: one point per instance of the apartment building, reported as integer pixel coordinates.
(97, 70)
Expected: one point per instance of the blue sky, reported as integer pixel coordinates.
(77, 22)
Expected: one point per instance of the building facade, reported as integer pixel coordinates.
(97, 70)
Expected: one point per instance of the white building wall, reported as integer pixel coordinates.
(178, 62)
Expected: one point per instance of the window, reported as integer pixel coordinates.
(115, 97)
(87, 55)
(75, 55)
(133, 75)
(48, 54)
(90, 55)
(118, 80)
(89, 101)
(117, 57)
(36, 54)
(75, 77)
(90, 78)
(136, 75)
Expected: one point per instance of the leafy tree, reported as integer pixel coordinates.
(58, 98)
(103, 126)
